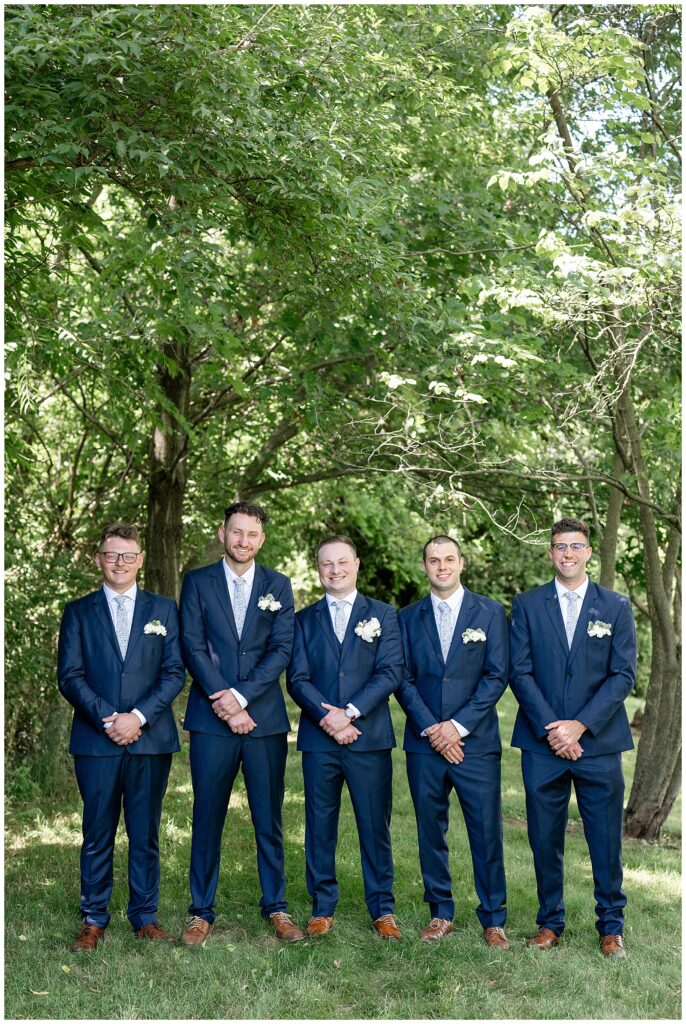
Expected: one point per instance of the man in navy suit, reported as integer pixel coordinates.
(119, 665)
(455, 646)
(236, 638)
(347, 660)
(572, 664)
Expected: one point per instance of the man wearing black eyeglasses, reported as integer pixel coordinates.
(120, 667)
(572, 665)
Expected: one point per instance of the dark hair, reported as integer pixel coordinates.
(124, 530)
(442, 538)
(244, 507)
(568, 526)
(336, 539)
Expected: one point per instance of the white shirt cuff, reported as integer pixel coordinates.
(108, 725)
(354, 710)
(239, 697)
(460, 728)
(139, 715)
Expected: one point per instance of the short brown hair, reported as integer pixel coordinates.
(246, 509)
(441, 538)
(124, 530)
(569, 526)
(335, 539)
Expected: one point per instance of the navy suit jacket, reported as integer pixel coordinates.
(218, 660)
(359, 672)
(95, 679)
(590, 682)
(467, 686)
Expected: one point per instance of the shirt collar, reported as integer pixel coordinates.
(112, 594)
(580, 590)
(348, 599)
(248, 575)
(453, 602)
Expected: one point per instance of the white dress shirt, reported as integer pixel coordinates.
(348, 602)
(562, 590)
(129, 606)
(454, 602)
(249, 577)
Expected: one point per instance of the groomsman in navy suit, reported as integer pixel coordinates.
(119, 665)
(455, 645)
(236, 638)
(347, 660)
(572, 664)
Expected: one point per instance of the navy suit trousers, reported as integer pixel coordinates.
(599, 787)
(368, 775)
(104, 782)
(477, 784)
(215, 761)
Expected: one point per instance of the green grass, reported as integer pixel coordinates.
(243, 972)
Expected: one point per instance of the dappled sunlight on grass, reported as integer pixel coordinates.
(170, 830)
(62, 830)
(294, 798)
(662, 885)
(183, 787)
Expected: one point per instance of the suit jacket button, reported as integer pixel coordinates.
(445, 679)
(123, 674)
(342, 674)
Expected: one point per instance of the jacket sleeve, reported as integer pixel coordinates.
(388, 667)
(610, 696)
(493, 682)
(532, 702)
(194, 647)
(298, 680)
(407, 694)
(172, 674)
(71, 676)
(279, 648)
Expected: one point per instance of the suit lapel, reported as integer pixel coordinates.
(326, 626)
(426, 614)
(359, 608)
(258, 591)
(222, 592)
(581, 631)
(102, 611)
(140, 616)
(466, 608)
(552, 606)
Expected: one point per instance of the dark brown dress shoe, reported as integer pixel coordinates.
(437, 928)
(387, 928)
(319, 925)
(154, 932)
(87, 938)
(285, 928)
(544, 938)
(496, 937)
(196, 932)
(612, 945)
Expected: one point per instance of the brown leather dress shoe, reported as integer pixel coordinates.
(612, 945)
(496, 937)
(285, 928)
(544, 938)
(154, 932)
(319, 925)
(87, 938)
(387, 928)
(437, 928)
(196, 932)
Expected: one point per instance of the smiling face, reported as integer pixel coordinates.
(242, 537)
(443, 565)
(569, 553)
(119, 575)
(338, 568)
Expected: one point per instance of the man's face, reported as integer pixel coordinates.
(569, 553)
(443, 566)
(338, 568)
(119, 575)
(242, 537)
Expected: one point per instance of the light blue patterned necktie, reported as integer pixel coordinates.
(239, 604)
(339, 620)
(445, 627)
(121, 624)
(571, 615)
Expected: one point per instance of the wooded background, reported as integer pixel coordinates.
(387, 270)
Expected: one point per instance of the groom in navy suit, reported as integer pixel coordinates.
(455, 645)
(119, 666)
(347, 660)
(236, 638)
(572, 665)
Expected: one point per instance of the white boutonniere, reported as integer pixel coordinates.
(156, 627)
(599, 628)
(368, 629)
(268, 603)
(473, 636)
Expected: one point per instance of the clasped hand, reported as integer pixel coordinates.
(338, 726)
(125, 728)
(446, 741)
(227, 708)
(563, 737)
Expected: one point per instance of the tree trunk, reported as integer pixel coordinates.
(608, 544)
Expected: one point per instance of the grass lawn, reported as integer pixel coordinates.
(243, 972)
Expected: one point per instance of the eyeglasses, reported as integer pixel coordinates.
(112, 557)
(561, 548)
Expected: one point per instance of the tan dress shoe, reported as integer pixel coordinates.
(285, 928)
(319, 925)
(87, 938)
(544, 938)
(612, 945)
(437, 928)
(154, 932)
(196, 932)
(496, 937)
(387, 927)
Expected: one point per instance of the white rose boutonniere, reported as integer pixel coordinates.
(368, 629)
(599, 628)
(156, 627)
(268, 603)
(473, 636)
